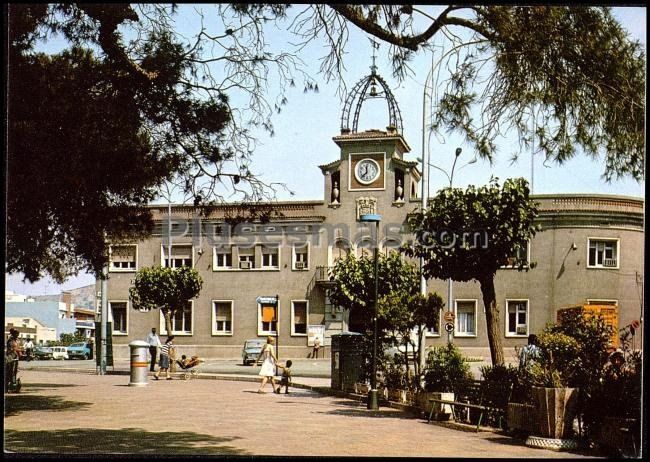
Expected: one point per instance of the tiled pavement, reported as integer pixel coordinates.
(60, 412)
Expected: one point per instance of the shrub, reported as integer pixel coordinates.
(394, 373)
(445, 366)
(505, 376)
(557, 362)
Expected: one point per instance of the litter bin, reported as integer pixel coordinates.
(347, 360)
(139, 363)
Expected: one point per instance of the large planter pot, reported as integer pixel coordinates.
(396, 395)
(521, 418)
(440, 411)
(556, 410)
(361, 388)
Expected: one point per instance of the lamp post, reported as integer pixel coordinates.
(450, 177)
(373, 402)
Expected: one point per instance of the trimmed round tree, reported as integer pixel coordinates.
(167, 289)
(469, 234)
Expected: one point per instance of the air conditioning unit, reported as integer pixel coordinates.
(609, 262)
(245, 265)
(521, 330)
(300, 265)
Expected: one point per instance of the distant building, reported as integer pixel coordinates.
(30, 328)
(48, 314)
(79, 304)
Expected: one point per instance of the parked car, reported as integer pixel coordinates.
(79, 351)
(251, 350)
(42, 352)
(59, 352)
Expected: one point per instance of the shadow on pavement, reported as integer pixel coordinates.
(121, 441)
(363, 412)
(14, 404)
(41, 386)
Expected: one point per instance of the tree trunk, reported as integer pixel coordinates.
(492, 320)
(168, 321)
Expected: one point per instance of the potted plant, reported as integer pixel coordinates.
(444, 367)
(619, 400)
(555, 398)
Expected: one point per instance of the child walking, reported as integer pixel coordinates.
(285, 380)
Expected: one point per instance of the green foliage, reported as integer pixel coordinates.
(500, 374)
(354, 286)
(445, 366)
(575, 354)
(394, 373)
(68, 339)
(557, 361)
(167, 289)
(498, 222)
(468, 234)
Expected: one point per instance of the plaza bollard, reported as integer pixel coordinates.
(139, 363)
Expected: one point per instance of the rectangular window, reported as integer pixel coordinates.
(517, 318)
(522, 253)
(465, 318)
(301, 256)
(119, 314)
(222, 258)
(267, 319)
(181, 320)
(603, 253)
(246, 258)
(123, 258)
(270, 257)
(222, 312)
(181, 256)
(299, 318)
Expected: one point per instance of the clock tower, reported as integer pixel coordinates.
(371, 175)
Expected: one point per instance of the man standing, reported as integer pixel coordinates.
(29, 349)
(12, 349)
(154, 343)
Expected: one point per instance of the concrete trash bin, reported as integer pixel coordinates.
(347, 360)
(139, 363)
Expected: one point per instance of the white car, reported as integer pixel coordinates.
(59, 352)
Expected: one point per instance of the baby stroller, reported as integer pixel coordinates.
(189, 367)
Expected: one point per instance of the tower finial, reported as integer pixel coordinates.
(375, 46)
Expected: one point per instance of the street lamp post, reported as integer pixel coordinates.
(373, 402)
(450, 177)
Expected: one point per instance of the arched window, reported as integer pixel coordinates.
(340, 250)
(390, 245)
(364, 247)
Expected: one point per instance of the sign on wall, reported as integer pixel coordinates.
(315, 331)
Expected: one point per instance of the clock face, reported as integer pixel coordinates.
(366, 171)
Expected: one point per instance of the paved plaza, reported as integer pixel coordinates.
(77, 413)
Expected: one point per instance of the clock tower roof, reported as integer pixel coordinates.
(373, 135)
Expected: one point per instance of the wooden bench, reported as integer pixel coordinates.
(479, 395)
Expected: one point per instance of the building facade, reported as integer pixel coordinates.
(590, 251)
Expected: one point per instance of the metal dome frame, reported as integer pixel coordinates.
(359, 94)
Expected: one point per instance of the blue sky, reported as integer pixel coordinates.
(305, 127)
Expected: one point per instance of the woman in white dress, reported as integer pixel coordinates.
(268, 365)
